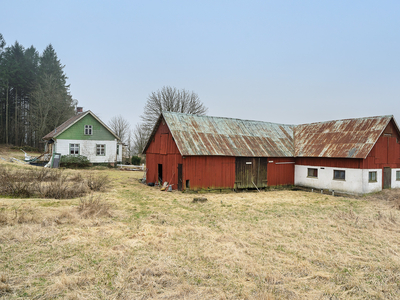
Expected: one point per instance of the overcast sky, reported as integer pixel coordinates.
(288, 62)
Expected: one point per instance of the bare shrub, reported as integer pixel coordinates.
(93, 207)
(98, 183)
(61, 189)
(48, 183)
(44, 174)
(14, 185)
(77, 178)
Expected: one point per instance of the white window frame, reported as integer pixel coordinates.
(74, 147)
(397, 175)
(100, 149)
(88, 130)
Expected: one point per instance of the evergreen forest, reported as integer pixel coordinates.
(34, 94)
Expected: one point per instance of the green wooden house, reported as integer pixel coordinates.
(85, 134)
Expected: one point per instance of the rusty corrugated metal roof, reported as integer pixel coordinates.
(350, 138)
(204, 135)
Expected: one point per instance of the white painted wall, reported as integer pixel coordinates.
(395, 183)
(119, 156)
(356, 179)
(370, 187)
(88, 148)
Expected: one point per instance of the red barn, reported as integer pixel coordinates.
(200, 152)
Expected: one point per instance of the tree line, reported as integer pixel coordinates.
(34, 94)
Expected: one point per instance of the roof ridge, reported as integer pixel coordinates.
(237, 119)
(348, 119)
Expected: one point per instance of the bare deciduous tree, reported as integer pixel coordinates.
(120, 126)
(140, 136)
(170, 99)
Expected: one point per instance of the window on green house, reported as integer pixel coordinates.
(88, 130)
(74, 149)
(100, 149)
(372, 176)
(339, 174)
(397, 175)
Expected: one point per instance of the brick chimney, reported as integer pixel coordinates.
(79, 110)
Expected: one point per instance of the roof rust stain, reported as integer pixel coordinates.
(204, 135)
(351, 138)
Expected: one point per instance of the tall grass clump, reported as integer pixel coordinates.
(97, 183)
(93, 207)
(62, 189)
(48, 183)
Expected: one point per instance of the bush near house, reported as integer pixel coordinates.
(136, 160)
(74, 161)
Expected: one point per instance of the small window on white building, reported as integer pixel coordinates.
(372, 176)
(339, 174)
(117, 149)
(312, 173)
(88, 130)
(100, 149)
(74, 149)
(398, 175)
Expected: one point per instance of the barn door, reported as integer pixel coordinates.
(180, 177)
(160, 172)
(250, 172)
(387, 178)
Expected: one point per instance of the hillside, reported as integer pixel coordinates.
(137, 242)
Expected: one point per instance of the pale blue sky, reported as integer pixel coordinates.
(279, 61)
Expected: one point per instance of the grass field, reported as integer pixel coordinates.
(137, 242)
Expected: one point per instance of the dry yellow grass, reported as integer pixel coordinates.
(159, 245)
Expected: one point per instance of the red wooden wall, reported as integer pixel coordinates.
(209, 172)
(280, 171)
(355, 163)
(163, 150)
(385, 153)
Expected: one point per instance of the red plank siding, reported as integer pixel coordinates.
(385, 153)
(209, 172)
(163, 150)
(280, 171)
(355, 163)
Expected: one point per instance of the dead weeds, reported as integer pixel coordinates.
(48, 183)
(93, 207)
(159, 245)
